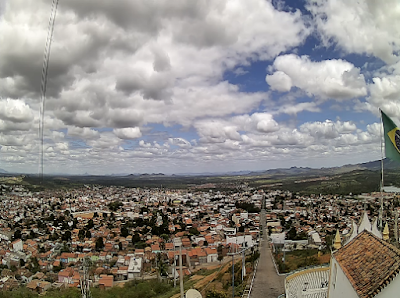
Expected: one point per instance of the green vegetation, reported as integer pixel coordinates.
(249, 207)
(114, 206)
(131, 289)
(298, 259)
(215, 294)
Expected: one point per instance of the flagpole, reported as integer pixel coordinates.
(381, 188)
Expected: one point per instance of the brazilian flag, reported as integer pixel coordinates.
(392, 138)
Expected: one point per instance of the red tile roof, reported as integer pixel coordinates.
(106, 280)
(369, 263)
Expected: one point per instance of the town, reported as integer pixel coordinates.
(131, 233)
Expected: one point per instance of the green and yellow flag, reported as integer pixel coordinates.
(392, 138)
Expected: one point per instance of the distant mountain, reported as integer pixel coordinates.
(372, 166)
(3, 171)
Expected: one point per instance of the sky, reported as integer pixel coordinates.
(197, 86)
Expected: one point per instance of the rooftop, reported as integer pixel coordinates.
(369, 263)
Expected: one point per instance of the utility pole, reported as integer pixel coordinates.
(233, 275)
(174, 267)
(243, 265)
(85, 286)
(233, 267)
(180, 271)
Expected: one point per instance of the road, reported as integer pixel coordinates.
(267, 283)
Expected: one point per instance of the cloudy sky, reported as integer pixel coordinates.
(181, 86)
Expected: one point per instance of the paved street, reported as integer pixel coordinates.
(267, 283)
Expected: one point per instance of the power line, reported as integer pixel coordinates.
(43, 89)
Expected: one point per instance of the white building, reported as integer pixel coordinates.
(244, 241)
(135, 267)
(366, 266)
(17, 245)
(229, 231)
(278, 238)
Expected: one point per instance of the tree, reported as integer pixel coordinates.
(99, 244)
(215, 294)
(32, 235)
(135, 238)
(89, 225)
(74, 223)
(220, 255)
(220, 258)
(292, 234)
(81, 234)
(194, 231)
(17, 235)
(66, 236)
(124, 232)
(88, 234)
(114, 206)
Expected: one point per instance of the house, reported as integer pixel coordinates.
(169, 246)
(17, 245)
(202, 256)
(243, 241)
(102, 256)
(122, 272)
(68, 257)
(155, 248)
(65, 275)
(106, 281)
(212, 255)
(135, 268)
(38, 286)
(139, 252)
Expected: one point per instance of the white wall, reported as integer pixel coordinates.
(343, 288)
(18, 246)
(212, 258)
(240, 239)
(392, 290)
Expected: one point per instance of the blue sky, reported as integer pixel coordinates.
(198, 86)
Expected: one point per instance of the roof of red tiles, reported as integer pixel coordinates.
(369, 263)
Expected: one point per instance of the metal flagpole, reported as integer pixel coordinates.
(382, 184)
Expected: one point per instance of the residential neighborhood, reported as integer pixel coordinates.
(123, 233)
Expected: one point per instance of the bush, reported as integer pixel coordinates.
(215, 294)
